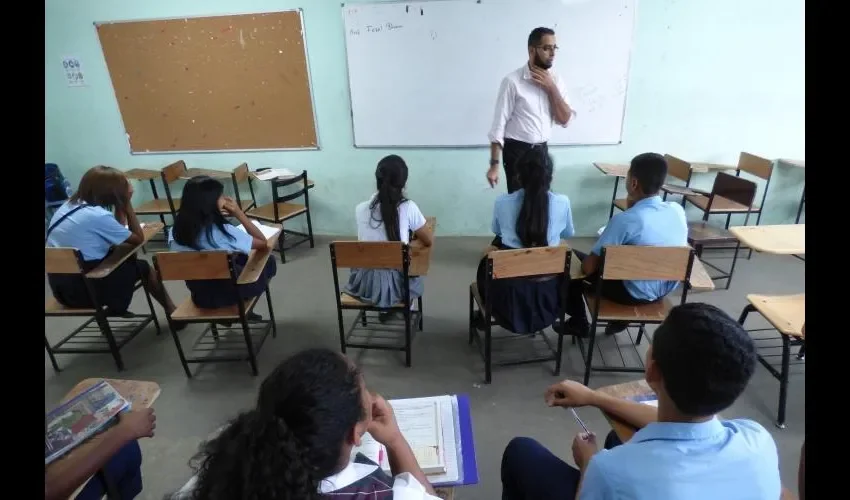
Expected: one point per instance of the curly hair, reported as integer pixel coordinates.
(292, 440)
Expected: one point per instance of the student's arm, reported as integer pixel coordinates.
(569, 229)
(131, 426)
(617, 232)
(504, 109)
(574, 394)
(234, 210)
(555, 89)
(137, 236)
(417, 222)
(384, 429)
(594, 484)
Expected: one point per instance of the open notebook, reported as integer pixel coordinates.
(427, 424)
(268, 231)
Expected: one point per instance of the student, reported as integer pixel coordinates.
(648, 221)
(201, 225)
(312, 410)
(700, 362)
(533, 216)
(388, 216)
(118, 457)
(93, 221)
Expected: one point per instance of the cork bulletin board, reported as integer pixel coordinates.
(238, 82)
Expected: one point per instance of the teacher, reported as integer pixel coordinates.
(530, 100)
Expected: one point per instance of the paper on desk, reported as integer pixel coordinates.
(267, 231)
(651, 402)
(372, 449)
(274, 173)
(141, 224)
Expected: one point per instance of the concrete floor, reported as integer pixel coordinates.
(443, 363)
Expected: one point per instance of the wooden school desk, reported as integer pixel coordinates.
(420, 255)
(123, 252)
(257, 259)
(797, 164)
(780, 239)
(222, 174)
(140, 394)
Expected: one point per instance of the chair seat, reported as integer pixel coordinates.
(647, 313)
(720, 205)
(787, 313)
(702, 232)
(621, 204)
(157, 206)
(53, 307)
(188, 311)
(350, 301)
(284, 211)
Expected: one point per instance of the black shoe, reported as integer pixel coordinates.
(574, 328)
(615, 327)
(384, 317)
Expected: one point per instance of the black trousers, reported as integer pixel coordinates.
(512, 152)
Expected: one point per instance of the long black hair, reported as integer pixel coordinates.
(391, 177)
(199, 212)
(535, 177)
(284, 448)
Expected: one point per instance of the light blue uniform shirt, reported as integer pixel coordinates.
(507, 210)
(650, 222)
(92, 230)
(732, 460)
(240, 243)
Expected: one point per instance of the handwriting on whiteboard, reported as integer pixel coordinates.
(376, 28)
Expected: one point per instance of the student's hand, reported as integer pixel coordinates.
(138, 423)
(584, 447)
(493, 175)
(542, 77)
(383, 427)
(569, 394)
(230, 206)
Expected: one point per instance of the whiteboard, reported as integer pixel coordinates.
(427, 73)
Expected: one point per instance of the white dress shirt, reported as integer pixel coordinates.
(523, 111)
(404, 487)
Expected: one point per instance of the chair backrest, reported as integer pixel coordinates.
(192, 266)
(59, 260)
(734, 188)
(530, 262)
(173, 172)
(678, 168)
(634, 263)
(240, 173)
(370, 255)
(278, 183)
(755, 165)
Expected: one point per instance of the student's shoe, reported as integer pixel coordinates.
(615, 327)
(576, 328)
(251, 316)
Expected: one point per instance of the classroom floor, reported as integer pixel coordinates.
(443, 363)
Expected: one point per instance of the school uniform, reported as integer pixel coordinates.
(94, 231)
(731, 459)
(649, 222)
(384, 287)
(361, 479)
(213, 294)
(523, 305)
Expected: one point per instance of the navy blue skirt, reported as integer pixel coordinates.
(213, 294)
(114, 291)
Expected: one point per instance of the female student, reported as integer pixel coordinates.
(388, 216)
(201, 225)
(93, 221)
(532, 216)
(312, 410)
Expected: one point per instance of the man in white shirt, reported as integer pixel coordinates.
(530, 100)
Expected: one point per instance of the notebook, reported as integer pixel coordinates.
(428, 426)
(268, 231)
(83, 416)
(274, 173)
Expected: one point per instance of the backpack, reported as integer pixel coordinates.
(55, 185)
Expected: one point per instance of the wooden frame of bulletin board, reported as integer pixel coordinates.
(222, 83)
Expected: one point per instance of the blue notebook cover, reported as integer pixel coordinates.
(83, 416)
(468, 464)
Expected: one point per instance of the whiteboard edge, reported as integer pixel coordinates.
(628, 70)
(199, 16)
(222, 151)
(348, 78)
(310, 79)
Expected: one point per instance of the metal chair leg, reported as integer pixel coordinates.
(407, 338)
(471, 318)
(488, 355)
(182, 356)
(310, 228)
(252, 356)
(280, 242)
(50, 354)
(421, 314)
(783, 381)
(106, 330)
(271, 312)
(640, 333)
(589, 361)
(560, 354)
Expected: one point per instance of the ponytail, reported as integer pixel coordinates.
(535, 171)
(256, 457)
(391, 177)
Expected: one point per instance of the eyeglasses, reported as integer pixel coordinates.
(548, 48)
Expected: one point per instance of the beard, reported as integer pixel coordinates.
(540, 64)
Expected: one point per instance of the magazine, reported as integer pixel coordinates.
(75, 421)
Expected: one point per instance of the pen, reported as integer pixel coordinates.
(380, 455)
(579, 420)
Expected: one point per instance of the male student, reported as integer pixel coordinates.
(530, 100)
(647, 221)
(699, 362)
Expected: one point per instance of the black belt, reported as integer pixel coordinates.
(523, 143)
